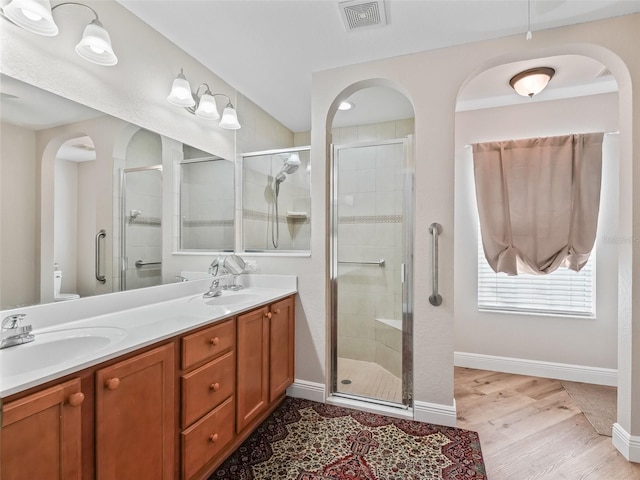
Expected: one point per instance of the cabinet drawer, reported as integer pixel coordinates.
(207, 387)
(207, 343)
(202, 441)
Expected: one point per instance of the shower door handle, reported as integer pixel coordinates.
(99, 276)
(435, 298)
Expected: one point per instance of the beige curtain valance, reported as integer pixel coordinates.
(538, 201)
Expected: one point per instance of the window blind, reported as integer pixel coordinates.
(562, 292)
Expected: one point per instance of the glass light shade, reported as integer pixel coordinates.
(32, 15)
(229, 119)
(181, 93)
(531, 82)
(207, 108)
(95, 45)
(345, 106)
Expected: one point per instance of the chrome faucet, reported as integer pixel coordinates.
(215, 290)
(13, 334)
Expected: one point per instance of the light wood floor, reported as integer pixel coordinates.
(368, 379)
(531, 429)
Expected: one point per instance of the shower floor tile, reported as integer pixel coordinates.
(368, 379)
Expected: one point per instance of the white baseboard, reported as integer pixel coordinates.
(536, 368)
(627, 445)
(435, 413)
(307, 390)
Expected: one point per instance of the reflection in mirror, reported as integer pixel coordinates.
(60, 171)
(206, 202)
(276, 200)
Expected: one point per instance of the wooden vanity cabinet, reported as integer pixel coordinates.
(253, 366)
(207, 391)
(281, 347)
(41, 435)
(266, 354)
(135, 417)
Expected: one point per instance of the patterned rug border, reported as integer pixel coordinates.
(463, 450)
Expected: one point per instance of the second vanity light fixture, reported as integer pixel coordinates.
(36, 16)
(202, 105)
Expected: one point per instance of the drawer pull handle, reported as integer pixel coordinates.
(214, 341)
(112, 383)
(213, 438)
(214, 386)
(76, 399)
(268, 315)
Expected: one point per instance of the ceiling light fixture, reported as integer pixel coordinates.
(202, 105)
(36, 16)
(345, 106)
(532, 81)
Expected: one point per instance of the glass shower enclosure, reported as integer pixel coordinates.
(140, 227)
(371, 275)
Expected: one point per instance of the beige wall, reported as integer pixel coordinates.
(18, 213)
(432, 81)
(537, 337)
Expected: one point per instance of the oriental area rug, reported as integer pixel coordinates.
(305, 440)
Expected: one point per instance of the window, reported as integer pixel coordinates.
(563, 292)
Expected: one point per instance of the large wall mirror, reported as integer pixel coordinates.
(81, 199)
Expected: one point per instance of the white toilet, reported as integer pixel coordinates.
(57, 282)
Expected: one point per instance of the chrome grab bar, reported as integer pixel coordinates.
(101, 234)
(435, 298)
(140, 263)
(379, 263)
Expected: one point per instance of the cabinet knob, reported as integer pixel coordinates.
(213, 438)
(268, 315)
(277, 311)
(76, 399)
(214, 341)
(112, 383)
(214, 386)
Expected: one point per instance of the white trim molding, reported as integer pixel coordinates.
(628, 445)
(537, 368)
(307, 390)
(435, 413)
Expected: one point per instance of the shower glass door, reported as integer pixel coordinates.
(141, 227)
(371, 256)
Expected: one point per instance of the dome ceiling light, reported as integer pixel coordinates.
(532, 81)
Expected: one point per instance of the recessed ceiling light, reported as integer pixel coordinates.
(345, 106)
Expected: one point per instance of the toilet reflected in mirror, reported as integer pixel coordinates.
(57, 286)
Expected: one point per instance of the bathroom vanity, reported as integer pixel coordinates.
(171, 398)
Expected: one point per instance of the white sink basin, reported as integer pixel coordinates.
(232, 298)
(57, 347)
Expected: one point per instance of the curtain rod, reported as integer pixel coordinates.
(468, 145)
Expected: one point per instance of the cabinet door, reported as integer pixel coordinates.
(41, 435)
(253, 366)
(281, 347)
(135, 423)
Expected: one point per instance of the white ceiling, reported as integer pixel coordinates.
(268, 49)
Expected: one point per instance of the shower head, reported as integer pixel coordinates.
(291, 164)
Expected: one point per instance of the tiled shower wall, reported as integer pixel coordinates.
(207, 206)
(370, 228)
(258, 204)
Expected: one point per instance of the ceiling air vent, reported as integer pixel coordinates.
(357, 14)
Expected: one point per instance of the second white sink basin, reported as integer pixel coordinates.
(56, 347)
(229, 298)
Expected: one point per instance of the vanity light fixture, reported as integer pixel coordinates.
(532, 81)
(202, 105)
(36, 16)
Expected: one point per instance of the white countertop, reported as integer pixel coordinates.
(122, 323)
